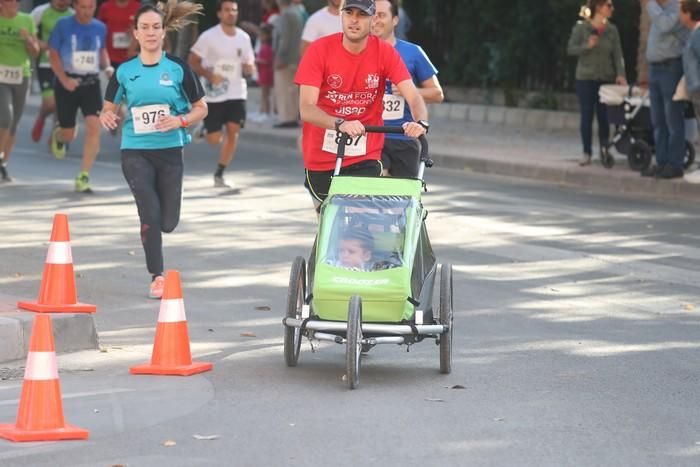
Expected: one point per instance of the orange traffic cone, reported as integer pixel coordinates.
(171, 349)
(40, 413)
(57, 293)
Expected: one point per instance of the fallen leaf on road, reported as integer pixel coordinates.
(103, 350)
(169, 443)
(456, 386)
(206, 437)
(433, 399)
(248, 334)
(210, 330)
(690, 307)
(132, 253)
(18, 274)
(263, 308)
(499, 419)
(96, 410)
(118, 465)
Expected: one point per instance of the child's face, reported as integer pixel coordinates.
(353, 254)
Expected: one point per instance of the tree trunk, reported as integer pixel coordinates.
(642, 65)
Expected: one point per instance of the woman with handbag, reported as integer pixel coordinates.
(596, 43)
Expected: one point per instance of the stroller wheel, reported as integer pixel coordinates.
(639, 156)
(606, 159)
(689, 155)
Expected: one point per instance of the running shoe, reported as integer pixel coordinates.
(157, 286)
(82, 183)
(38, 127)
(219, 182)
(4, 175)
(57, 148)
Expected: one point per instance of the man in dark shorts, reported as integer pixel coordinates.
(400, 156)
(342, 79)
(223, 55)
(77, 53)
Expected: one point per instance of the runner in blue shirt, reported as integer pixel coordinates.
(162, 98)
(400, 154)
(77, 54)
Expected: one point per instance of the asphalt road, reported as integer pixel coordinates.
(576, 327)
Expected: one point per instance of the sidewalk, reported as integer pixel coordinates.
(532, 144)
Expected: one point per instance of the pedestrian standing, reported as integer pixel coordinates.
(45, 17)
(667, 38)
(342, 79)
(400, 156)
(163, 97)
(324, 22)
(690, 18)
(18, 45)
(285, 44)
(223, 55)
(596, 43)
(77, 52)
(264, 62)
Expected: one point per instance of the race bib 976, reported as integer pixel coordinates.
(146, 117)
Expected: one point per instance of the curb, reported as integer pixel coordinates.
(603, 180)
(72, 332)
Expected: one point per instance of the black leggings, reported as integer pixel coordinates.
(155, 179)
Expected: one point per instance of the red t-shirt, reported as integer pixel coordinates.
(351, 87)
(119, 22)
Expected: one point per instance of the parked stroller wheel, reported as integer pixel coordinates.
(689, 155)
(295, 302)
(607, 160)
(353, 347)
(446, 318)
(639, 156)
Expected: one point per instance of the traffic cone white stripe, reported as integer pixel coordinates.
(172, 311)
(41, 366)
(59, 253)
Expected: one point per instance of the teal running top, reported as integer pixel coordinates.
(148, 91)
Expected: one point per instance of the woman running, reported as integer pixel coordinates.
(162, 97)
(18, 43)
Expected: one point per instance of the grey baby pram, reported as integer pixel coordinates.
(628, 109)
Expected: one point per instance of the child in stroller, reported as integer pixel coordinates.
(628, 110)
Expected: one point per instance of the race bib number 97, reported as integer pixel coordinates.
(146, 117)
(11, 74)
(358, 146)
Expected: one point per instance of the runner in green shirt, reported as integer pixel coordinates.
(45, 17)
(18, 44)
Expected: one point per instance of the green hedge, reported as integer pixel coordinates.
(509, 43)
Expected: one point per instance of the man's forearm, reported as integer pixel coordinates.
(311, 113)
(419, 110)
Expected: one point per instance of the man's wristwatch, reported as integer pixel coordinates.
(424, 124)
(183, 121)
(338, 122)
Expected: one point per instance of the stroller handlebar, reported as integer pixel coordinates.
(343, 139)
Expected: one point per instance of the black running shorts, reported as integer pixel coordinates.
(87, 97)
(221, 113)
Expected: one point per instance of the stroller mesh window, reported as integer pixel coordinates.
(367, 232)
